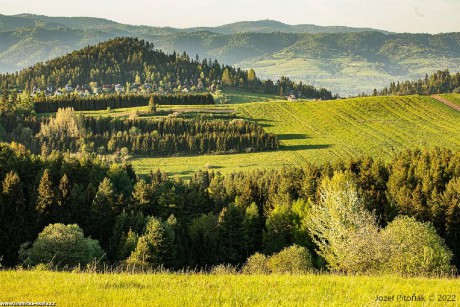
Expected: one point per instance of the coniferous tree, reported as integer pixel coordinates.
(13, 228)
(102, 212)
(231, 234)
(46, 196)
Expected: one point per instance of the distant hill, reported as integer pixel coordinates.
(136, 63)
(346, 60)
(270, 26)
(260, 26)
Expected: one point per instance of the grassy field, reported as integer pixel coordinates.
(87, 289)
(321, 131)
(455, 98)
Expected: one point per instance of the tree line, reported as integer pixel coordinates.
(181, 99)
(440, 82)
(52, 104)
(215, 219)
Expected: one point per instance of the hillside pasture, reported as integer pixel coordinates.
(327, 131)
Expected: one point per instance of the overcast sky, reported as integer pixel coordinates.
(431, 16)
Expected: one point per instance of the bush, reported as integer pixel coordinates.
(59, 246)
(293, 260)
(223, 269)
(414, 248)
(256, 264)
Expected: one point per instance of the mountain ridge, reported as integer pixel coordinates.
(259, 26)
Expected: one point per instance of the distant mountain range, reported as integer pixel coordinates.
(343, 59)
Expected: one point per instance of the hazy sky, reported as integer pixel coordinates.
(432, 16)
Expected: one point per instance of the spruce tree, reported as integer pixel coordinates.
(46, 195)
(102, 216)
(13, 228)
(231, 234)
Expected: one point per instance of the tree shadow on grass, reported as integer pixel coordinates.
(294, 136)
(303, 147)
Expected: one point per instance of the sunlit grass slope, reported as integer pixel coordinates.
(455, 98)
(321, 131)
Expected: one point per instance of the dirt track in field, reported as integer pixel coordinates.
(446, 102)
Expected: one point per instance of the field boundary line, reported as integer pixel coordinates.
(446, 102)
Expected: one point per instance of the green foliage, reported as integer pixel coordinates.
(13, 215)
(102, 212)
(61, 245)
(164, 137)
(280, 202)
(341, 227)
(155, 247)
(126, 231)
(279, 229)
(437, 83)
(256, 264)
(204, 240)
(116, 101)
(412, 248)
(46, 195)
(291, 260)
(231, 234)
(65, 124)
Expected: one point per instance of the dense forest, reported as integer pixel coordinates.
(127, 61)
(436, 83)
(151, 137)
(216, 219)
(51, 104)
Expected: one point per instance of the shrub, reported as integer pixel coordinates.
(414, 248)
(223, 269)
(294, 260)
(60, 245)
(256, 264)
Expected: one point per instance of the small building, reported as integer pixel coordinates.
(118, 88)
(292, 98)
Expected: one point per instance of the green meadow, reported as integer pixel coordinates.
(325, 131)
(162, 289)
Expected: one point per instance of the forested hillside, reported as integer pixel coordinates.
(132, 62)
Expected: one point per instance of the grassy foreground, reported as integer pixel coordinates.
(91, 289)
